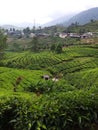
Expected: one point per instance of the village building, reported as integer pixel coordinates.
(87, 35)
(63, 35)
(32, 35)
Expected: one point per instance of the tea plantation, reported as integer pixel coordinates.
(49, 91)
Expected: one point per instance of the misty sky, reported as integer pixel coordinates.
(42, 11)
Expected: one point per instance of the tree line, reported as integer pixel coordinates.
(3, 44)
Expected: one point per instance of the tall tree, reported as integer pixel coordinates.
(33, 30)
(52, 48)
(3, 44)
(35, 44)
(26, 30)
(58, 48)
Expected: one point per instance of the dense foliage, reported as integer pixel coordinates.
(2, 44)
(89, 27)
(57, 111)
(68, 100)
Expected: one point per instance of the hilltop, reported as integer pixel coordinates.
(83, 17)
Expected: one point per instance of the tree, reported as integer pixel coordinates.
(40, 29)
(26, 30)
(35, 44)
(33, 29)
(92, 20)
(16, 47)
(13, 29)
(58, 48)
(82, 30)
(52, 48)
(3, 44)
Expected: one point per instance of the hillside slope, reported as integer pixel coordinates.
(84, 17)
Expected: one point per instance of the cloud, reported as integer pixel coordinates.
(41, 10)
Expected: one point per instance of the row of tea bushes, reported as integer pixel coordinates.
(56, 111)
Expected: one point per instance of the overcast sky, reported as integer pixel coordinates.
(42, 11)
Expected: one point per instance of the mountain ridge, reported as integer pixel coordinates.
(83, 17)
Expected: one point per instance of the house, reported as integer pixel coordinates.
(87, 35)
(63, 35)
(74, 35)
(32, 35)
(42, 35)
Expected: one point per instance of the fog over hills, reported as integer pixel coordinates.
(81, 18)
(60, 20)
(8, 26)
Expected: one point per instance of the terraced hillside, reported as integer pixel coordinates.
(31, 66)
(66, 100)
